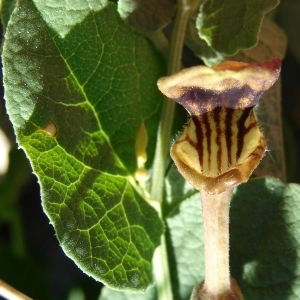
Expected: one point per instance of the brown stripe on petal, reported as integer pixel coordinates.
(242, 130)
(228, 133)
(251, 125)
(235, 132)
(217, 120)
(208, 132)
(200, 137)
(190, 141)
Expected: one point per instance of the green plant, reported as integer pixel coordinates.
(80, 87)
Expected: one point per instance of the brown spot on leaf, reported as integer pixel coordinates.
(51, 129)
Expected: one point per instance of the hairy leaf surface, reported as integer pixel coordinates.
(77, 96)
(146, 16)
(263, 238)
(229, 26)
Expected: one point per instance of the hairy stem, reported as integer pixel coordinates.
(217, 285)
(215, 212)
(165, 126)
(160, 260)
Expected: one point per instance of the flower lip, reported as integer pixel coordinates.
(232, 84)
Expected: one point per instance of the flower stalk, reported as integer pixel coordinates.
(215, 213)
(218, 284)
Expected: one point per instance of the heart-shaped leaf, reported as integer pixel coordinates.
(77, 99)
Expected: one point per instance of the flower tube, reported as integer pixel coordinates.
(219, 149)
(222, 143)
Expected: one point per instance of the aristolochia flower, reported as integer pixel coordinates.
(222, 143)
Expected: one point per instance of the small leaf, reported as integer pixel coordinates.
(93, 85)
(199, 46)
(146, 16)
(229, 26)
(271, 43)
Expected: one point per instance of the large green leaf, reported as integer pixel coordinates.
(273, 273)
(264, 238)
(251, 201)
(229, 26)
(94, 82)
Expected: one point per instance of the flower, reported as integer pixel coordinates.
(222, 143)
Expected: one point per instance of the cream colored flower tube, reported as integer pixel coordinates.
(218, 150)
(217, 284)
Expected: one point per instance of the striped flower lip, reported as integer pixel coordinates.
(221, 144)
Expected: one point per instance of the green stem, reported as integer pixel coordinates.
(165, 126)
(160, 260)
(161, 42)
